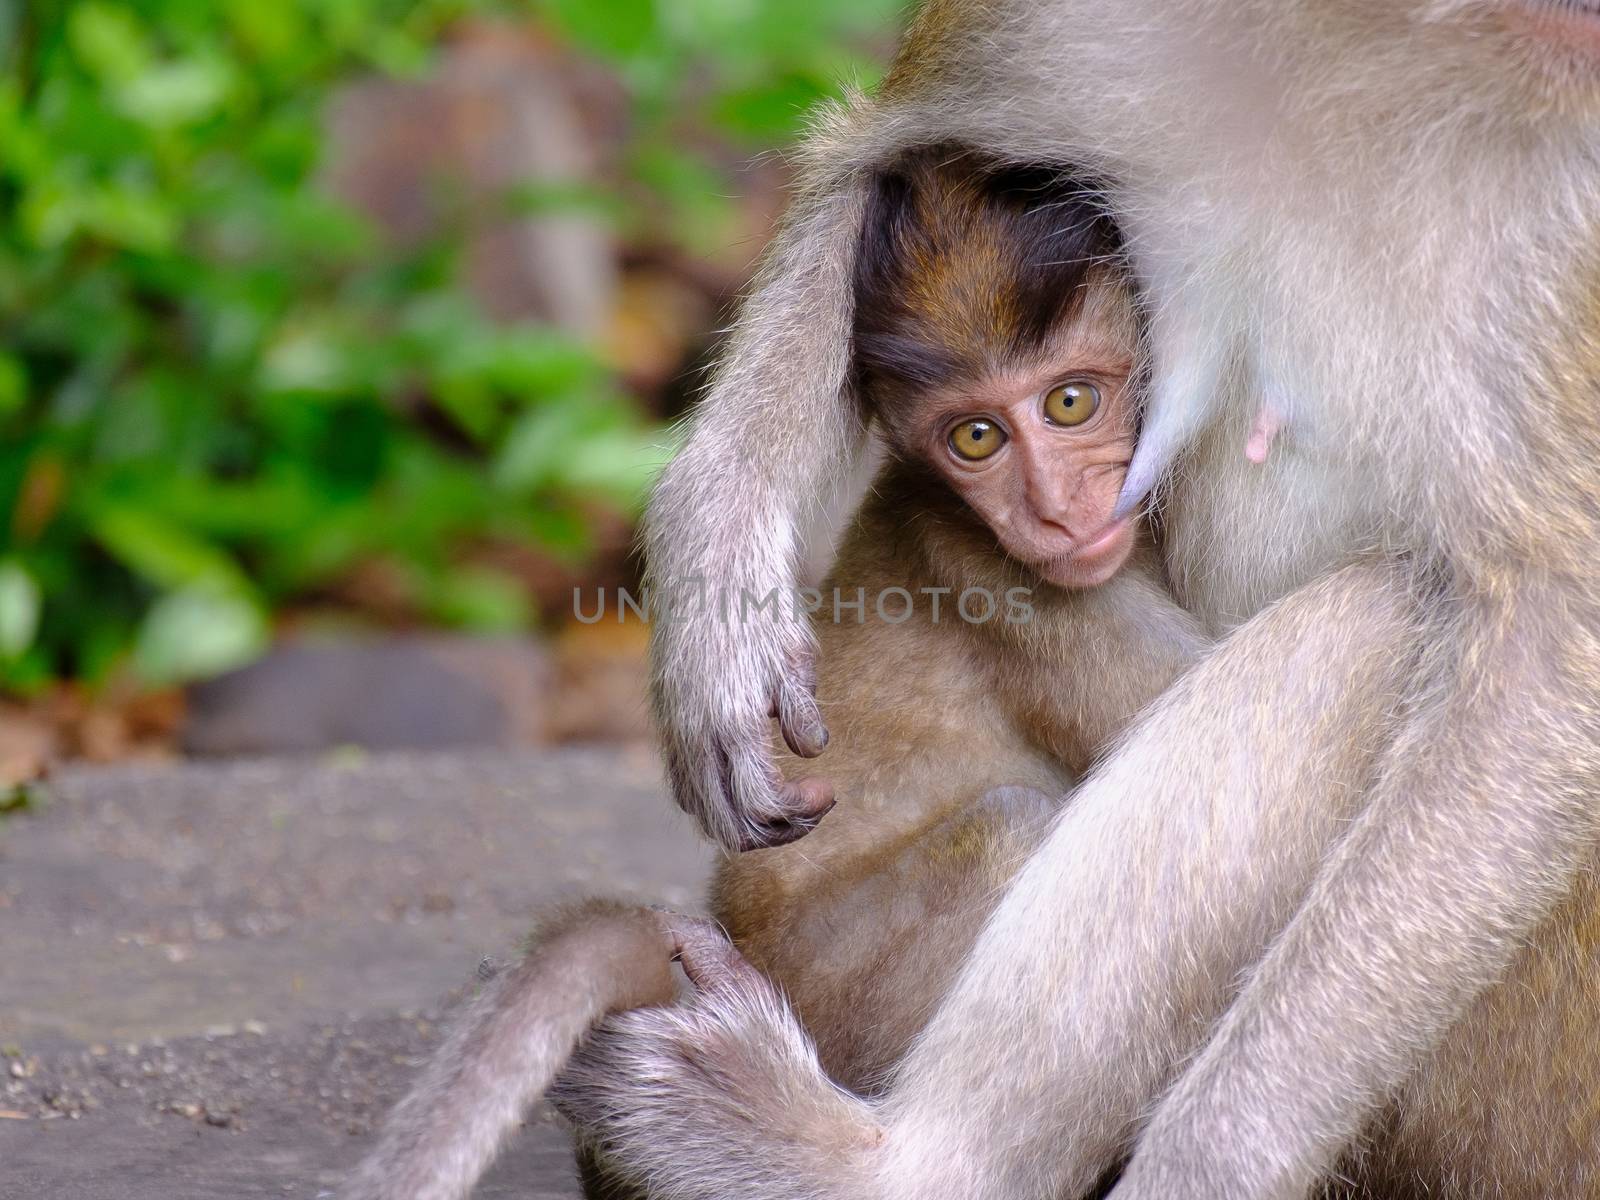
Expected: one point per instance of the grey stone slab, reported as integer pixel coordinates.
(215, 978)
(380, 692)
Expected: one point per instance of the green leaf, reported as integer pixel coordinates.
(270, 30)
(774, 108)
(20, 606)
(540, 444)
(482, 600)
(135, 217)
(595, 448)
(251, 389)
(108, 40)
(21, 797)
(13, 384)
(198, 632)
(620, 465)
(175, 94)
(618, 28)
(305, 360)
(10, 16)
(162, 553)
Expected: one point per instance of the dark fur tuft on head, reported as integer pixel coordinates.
(964, 264)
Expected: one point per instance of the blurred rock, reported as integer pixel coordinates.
(389, 692)
(497, 113)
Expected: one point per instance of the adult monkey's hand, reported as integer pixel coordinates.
(730, 649)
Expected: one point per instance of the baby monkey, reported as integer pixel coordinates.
(1012, 626)
(995, 628)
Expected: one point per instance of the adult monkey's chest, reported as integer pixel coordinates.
(1238, 535)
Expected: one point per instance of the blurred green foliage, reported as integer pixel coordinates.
(220, 389)
(748, 70)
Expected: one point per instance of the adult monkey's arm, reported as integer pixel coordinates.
(775, 432)
(778, 427)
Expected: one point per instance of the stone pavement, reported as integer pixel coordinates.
(214, 979)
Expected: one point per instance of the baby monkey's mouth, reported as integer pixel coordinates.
(1094, 561)
(1103, 541)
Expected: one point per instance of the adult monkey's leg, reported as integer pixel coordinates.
(1474, 831)
(1105, 963)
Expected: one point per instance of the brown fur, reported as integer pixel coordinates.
(967, 266)
(864, 923)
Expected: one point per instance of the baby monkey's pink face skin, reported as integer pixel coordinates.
(1039, 448)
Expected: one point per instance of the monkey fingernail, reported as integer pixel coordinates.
(769, 835)
(806, 742)
(801, 725)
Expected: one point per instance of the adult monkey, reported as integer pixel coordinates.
(1376, 219)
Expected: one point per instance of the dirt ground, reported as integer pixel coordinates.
(214, 979)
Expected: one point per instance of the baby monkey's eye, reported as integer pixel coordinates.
(976, 440)
(1071, 403)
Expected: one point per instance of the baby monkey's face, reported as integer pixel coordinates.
(1038, 447)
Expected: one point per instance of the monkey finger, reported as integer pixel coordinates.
(754, 784)
(743, 801)
(798, 714)
(800, 720)
(800, 667)
(699, 779)
(707, 955)
(808, 799)
(805, 801)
